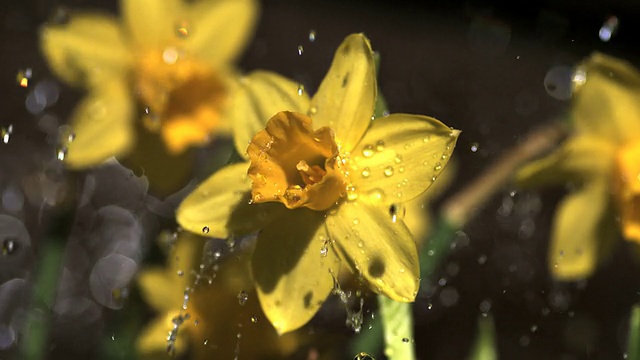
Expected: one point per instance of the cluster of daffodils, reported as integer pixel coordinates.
(602, 161)
(320, 183)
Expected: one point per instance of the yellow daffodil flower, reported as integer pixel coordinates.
(602, 159)
(214, 310)
(171, 58)
(322, 183)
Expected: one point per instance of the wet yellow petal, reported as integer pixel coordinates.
(152, 24)
(102, 123)
(401, 155)
(580, 158)
(259, 97)
(86, 49)
(221, 204)
(381, 250)
(152, 341)
(292, 266)
(346, 97)
(218, 30)
(580, 231)
(418, 216)
(608, 103)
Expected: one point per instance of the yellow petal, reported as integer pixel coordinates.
(86, 49)
(346, 97)
(152, 24)
(102, 124)
(580, 230)
(580, 158)
(152, 341)
(401, 155)
(218, 30)
(159, 289)
(418, 217)
(381, 250)
(292, 272)
(259, 97)
(221, 205)
(608, 103)
(162, 287)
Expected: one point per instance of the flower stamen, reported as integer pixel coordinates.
(292, 164)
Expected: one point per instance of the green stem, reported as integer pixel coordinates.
(397, 323)
(485, 344)
(633, 347)
(38, 321)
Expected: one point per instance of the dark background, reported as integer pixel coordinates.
(479, 66)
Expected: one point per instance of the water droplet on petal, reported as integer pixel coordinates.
(182, 30)
(366, 172)
(397, 211)
(205, 230)
(367, 151)
(388, 171)
(380, 145)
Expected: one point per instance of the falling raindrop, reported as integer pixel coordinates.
(9, 246)
(242, 297)
(5, 133)
(474, 147)
(609, 28)
(23, 77)
(61, 153)
(300, 50)
(300, 89)
(312, 35)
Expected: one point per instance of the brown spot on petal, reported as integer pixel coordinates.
(292, 164)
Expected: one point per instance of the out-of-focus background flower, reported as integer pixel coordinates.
(494, 69)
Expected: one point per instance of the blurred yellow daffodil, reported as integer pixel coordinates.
(322, 183)
(602, 159)
(164, 62)
(216, 312)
